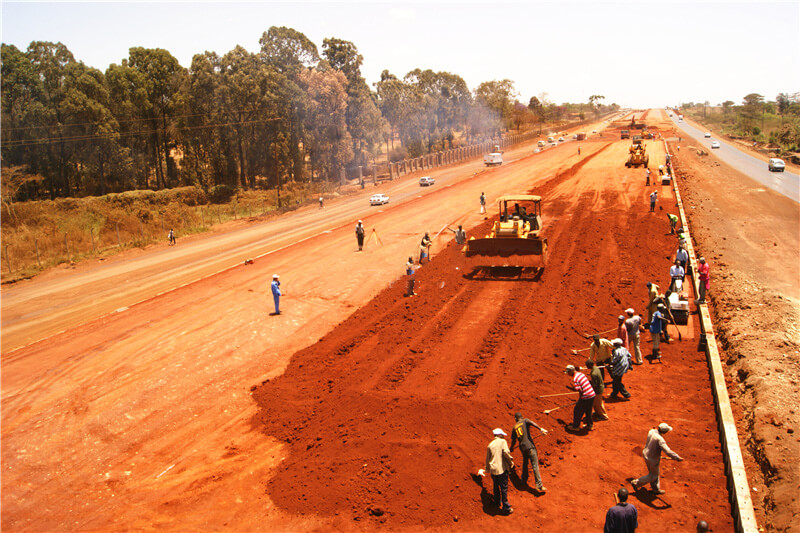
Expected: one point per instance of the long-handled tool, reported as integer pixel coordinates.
(548, 411)
(559, 394)
(589, 335)
(575, 352)
(669, 312)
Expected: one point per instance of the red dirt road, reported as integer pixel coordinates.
(144, 418)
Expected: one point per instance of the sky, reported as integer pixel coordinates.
(636, 54)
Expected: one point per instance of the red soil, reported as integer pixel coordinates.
(386, 418)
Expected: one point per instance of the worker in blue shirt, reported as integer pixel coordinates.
(276, 293)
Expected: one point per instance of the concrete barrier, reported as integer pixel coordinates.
(738, 487)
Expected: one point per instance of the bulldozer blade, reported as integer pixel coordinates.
(506, 247)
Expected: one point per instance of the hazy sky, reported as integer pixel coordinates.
(638, 54)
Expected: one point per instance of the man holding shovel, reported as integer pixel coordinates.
(600, 352)
(583, 407)
(522, 433)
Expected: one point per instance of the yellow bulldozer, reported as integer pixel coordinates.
(515, 239)
(638, 153)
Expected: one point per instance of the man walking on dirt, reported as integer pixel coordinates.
(682, 257)
(652, 457)
(653, 198)
(171, 237)
(634, 324)
(583, 407)
(647, 173)
(276, 293)
(704, 281)
(483, 203)
(360, 235)
(620, 364)
(623, 517)
(521, 432)
(410, 267)
(498, 462)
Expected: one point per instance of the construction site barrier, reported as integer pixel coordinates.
(738, 487)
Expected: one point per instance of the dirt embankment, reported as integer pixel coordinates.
(749, 236)
(386, 419)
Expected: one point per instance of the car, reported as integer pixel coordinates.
(594, 131)
(714, 144)
(378, 199)
(575, 137)
(708, 135)
(776, 165)
(425, 181)
(561, 139)
(540, 144)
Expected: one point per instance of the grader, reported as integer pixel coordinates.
(638, 153)
(515, 239)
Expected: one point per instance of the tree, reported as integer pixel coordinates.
(497, 96)
(593, 102)
(752, 108)
(783, 102)
(726, 106)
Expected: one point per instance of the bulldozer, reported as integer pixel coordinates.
(638, 153)
(515, 239)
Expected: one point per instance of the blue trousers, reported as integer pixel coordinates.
(277, 299)
(501, 490)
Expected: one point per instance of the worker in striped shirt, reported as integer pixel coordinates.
(583, 407)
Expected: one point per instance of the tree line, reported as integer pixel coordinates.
(240, 120)
(776, 121)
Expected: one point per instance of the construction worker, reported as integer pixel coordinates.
(600, 351)
(276, 293)
(652, 457)
(676, 273)
(653, 198)
(620, 364)
(622, 331)
(599, 387)
(673, 223)
(623, 517)
(652, 294)
(360, 235)
(634, 325)
(483, 203)
(424, 247)
(682, 257)
(647, 173)
(522, 433)
(171, 238)
(461, 235)
(498, 463)
(410, 267)
(704, 281)
(321, 202)
(583, 407)
(657, 326)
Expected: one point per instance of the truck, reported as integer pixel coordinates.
(624, 134)
(680, 118)
(493, 158)
(581, 137)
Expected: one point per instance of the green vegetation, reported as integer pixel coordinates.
(245, 121)
(40, 234)
(776, 123)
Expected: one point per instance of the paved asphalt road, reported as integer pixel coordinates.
(786, 183)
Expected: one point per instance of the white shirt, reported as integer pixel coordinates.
(676, 271)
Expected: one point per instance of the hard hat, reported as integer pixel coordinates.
(275, 276)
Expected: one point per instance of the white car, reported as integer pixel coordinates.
(714, 144)
(561, 139)
(378, 199)
(424, 181)
(776, 165)
(594, 131)
(708, 135)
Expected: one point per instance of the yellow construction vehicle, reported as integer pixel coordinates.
(515, 239)
(638, 153)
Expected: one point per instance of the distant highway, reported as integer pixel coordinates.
(786, 183)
